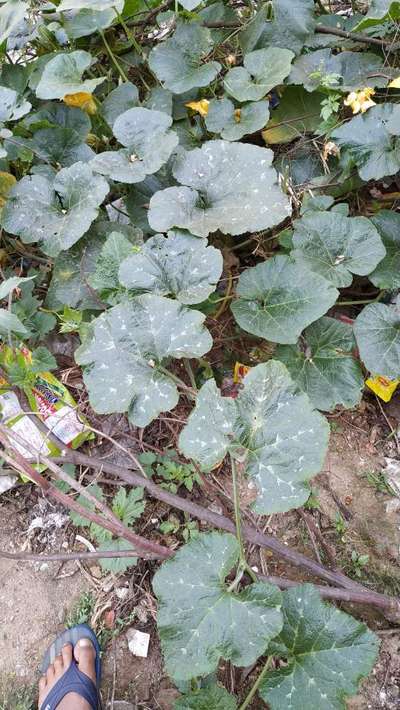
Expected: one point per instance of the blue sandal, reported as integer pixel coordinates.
(73, 680)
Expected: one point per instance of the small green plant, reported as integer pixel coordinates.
(312, 503)
(330, 105)
(188, 530)
(378, 480)
(340, 524)
(82, 611)
(359, 562)
(173, 472)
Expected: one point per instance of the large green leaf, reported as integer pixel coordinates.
(380, 11)
(178, 265)
(336, 246)
(199, 620)
(293, 21)
(54, 213)
(370, 142)
(377, 331)
(232, 124)
(10, 323)
(12, 13)
(60, 146)
(323, 365)
(353, 70)
(212, 697)
(63, 75)
(125, 356)
(327, 653)
(277, 299)
(12, 107)
(387, 273)
(226, 186)
(149, 143)
(97, 5)
(119, 100)
(270, 421)
(263, 70)
(298, 113)
(85, 22)
(179, 61)
(54, 114)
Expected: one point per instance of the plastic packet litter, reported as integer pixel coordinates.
(382, 386)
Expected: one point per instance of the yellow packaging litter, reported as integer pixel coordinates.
(52, 402)
(382, 386)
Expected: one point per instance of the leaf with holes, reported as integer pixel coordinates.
(227, 186)
(55, 213)
(179, 61)
(371, 142)
(124, 359)
(293, 21)
(63, 75)
(178, 265)
(277, 299)
(327, 653)
(336, 246)
(270, 425)
(377, 332)
(148, 145)
(387, 273)
(263, 70)
(232, 124)
(346, 71)
(323, 365)
(199, 620)
(211, 696)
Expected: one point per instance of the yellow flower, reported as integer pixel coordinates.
(360, 101)
(237, 115)
(395, 84)
(200, 107)
(82, 100)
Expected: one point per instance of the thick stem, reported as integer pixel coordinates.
(113, 58)
(256, 685)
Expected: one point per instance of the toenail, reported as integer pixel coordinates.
(84, 643)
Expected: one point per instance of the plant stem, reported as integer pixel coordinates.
(256, 685)
(189, 391)
(243, 566)
(130, 36)
(112, 57)
(190, 373)
(361, 303)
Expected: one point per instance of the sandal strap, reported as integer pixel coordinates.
(73, 681)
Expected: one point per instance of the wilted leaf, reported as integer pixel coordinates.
(327, 653)
(179, 61)
(293, 21)
(298, 113)
(7, 182)
(226, 186)
(377, 332)
(348, 70)
(63, 75)
(54, 213)
(232, 124)
(370, 142)
(336, 246)
(130, 344)
(323, 366)
(12, 106)
(149, 143)
(178, 265)
(277, 299)
(121, 99)
(212, 696)
(199, 620)
(387, 273)
(285, 439)
(262, 71)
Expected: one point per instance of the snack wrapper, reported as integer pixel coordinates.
(382, 386)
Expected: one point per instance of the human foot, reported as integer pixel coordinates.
(85, 656)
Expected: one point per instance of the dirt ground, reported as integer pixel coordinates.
(353, 512)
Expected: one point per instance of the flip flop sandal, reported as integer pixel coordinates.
(73, 680)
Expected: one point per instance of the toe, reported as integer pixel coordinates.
(59, 665)
(66, 653)
(42, 684)
(50, 673)
(85, 655)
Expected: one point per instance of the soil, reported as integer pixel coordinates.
(351, 514)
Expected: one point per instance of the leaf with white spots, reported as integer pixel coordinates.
(12, 106)
(377, 332)
(227, 186)
(124, 360)
(232, 124)
(323, 365)
(148, 145)
(12, 14)
(277, 299)
(179, 61)
(336, 246)
(63, 75)
(263, 70)
(387, 273)
(327, 654)
(178, 265)
(55, 213)
(270, 421)
(200, 621)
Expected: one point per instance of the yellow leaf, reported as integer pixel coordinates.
(395, 84)
(200, 107)
(7, 181)
(83, 100)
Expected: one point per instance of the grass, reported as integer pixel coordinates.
(16, 697)
(82, 611)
